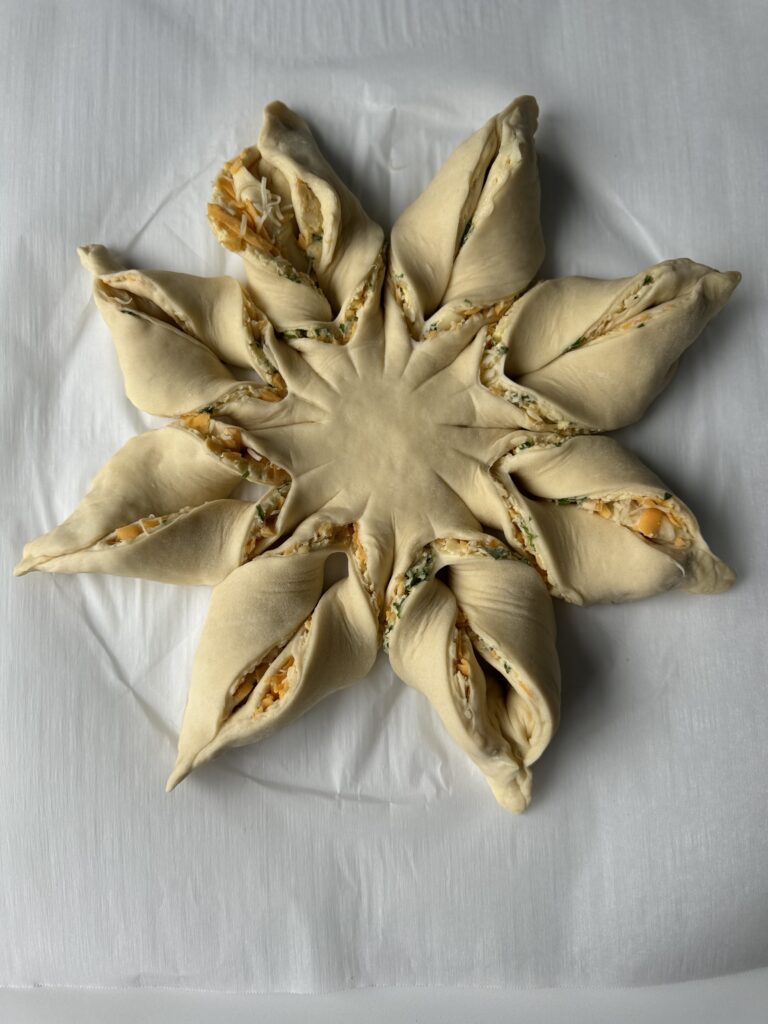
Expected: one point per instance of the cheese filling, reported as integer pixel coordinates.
(426, 564)
(140, 528)
(227, 443)
(273, 685)
(653, 517)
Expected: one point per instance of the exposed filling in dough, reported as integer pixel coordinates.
(346, 537)
(651, 516)
(279, 681)
(344, 329)
(135, 304)
(227, 443)
(310, 237)
(140, 528)
(360, 556)
(251, 215)
(327, 534)
(424, 568)
(460, 652)
(251, 210)
(629, 313)
(464, 644)
(265, 523)
(541, 414)
(455, 315)
(421, 570)
(462, 547)
(257, 326)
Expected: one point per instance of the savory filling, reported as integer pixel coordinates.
(349, 318)
(421, 570)
(456, 315)
(227, 443)
(404, 300)
(488, 546)
(424, 568)
(492, 376)
(250, 216)
(278, 684)
(310, 238)
(256, 326)
(460, 653)
(276, 688)
(326, 535)
(135, 304)
(360, 556)
(653, 517)
(141, 528)
(265, 522)
(251, 209)
(624, 308)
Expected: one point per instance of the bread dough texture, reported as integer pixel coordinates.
(426, 408)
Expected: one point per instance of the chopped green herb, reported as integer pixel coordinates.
(569, 501)
(647, 279)
(530, 536)
(507, 667)
(130, 312)
(496, 552)
(260, 513)
(208, 409)
(524, 445)
(502, 349)
(316, 237)
(576, 344)
(245, 474)
(285, 270)
(641, 325)
(467, 232)
(667, 495)
(516, 398)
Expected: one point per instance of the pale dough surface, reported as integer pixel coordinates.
(444, 398)
(642, 856)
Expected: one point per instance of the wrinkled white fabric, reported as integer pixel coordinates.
(358, 847)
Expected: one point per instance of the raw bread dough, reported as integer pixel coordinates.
(426, 411)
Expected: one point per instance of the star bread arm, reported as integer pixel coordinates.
(173, 333)
(598, 524)
(578, 353)
(307, 244)
(481, 647)
(273, 645)
(153, 511)
(473, 236)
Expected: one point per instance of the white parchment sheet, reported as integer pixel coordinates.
(359, 848)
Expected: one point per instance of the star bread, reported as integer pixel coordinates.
(425, 407)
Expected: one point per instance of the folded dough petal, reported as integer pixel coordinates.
(193, 546)
(154, 475)
(307, 244)
(598, 352)
(273, 645)
(599, 524)
(172, 331)
(473, 236)
(481, 647)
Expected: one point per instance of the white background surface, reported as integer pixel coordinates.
(359, 848)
